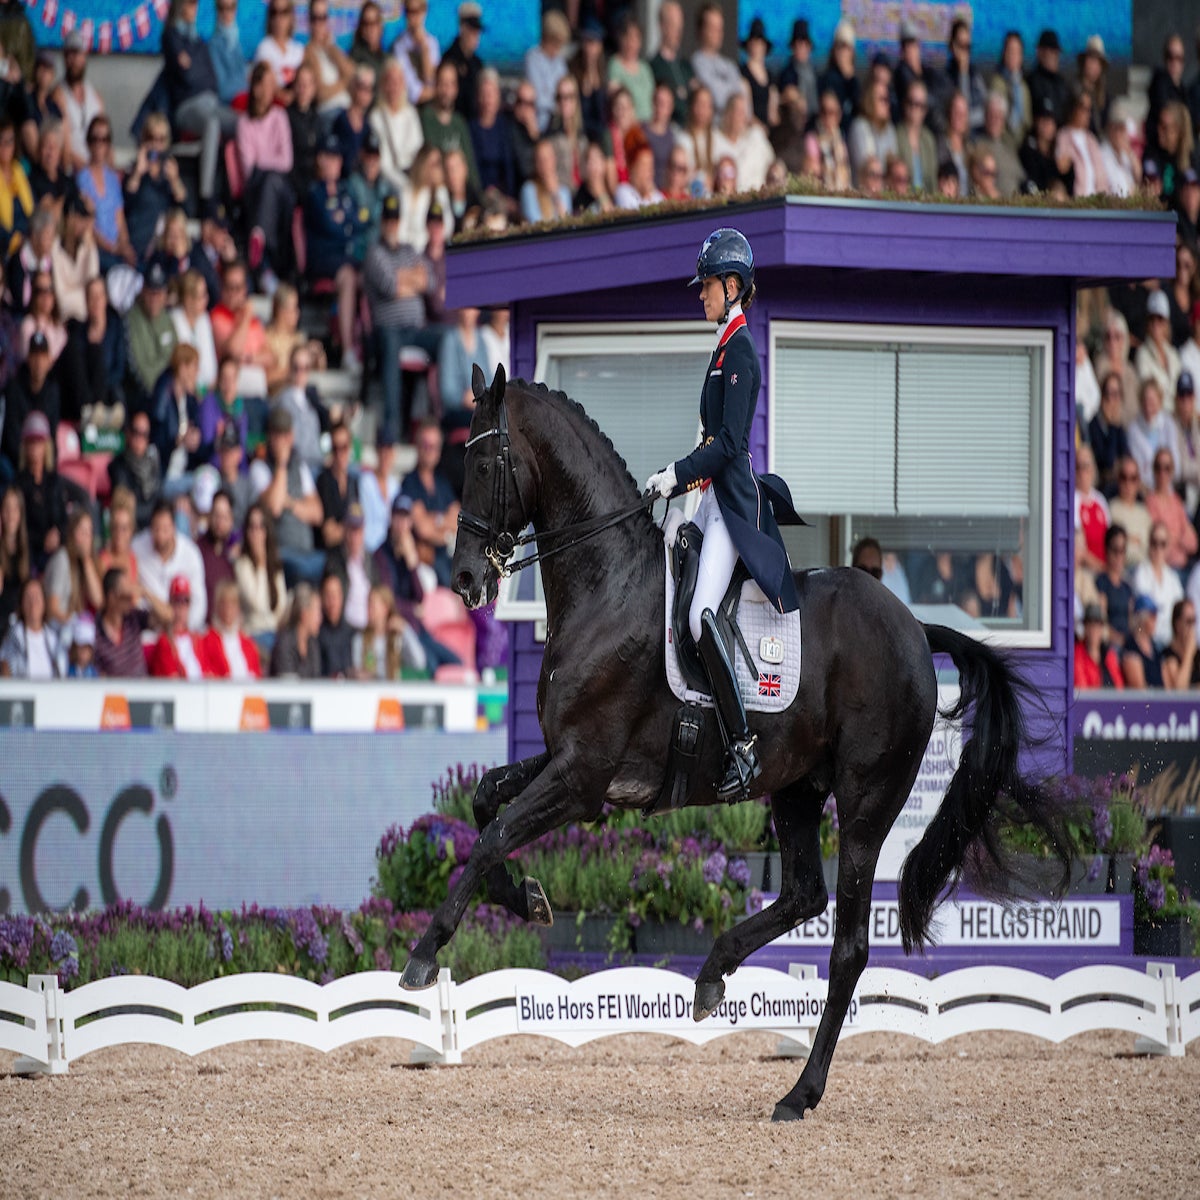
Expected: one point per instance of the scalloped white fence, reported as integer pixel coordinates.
(48, 1028)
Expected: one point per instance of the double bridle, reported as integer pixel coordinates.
(498, 544)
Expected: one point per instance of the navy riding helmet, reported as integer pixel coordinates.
(726, 252)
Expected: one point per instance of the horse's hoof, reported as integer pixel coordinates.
(419, 973)
(540, 912)
(785, 1112)
(708, 997)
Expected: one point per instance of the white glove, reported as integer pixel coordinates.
(663, 482)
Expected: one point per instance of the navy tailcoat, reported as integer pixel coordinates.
(753, 505)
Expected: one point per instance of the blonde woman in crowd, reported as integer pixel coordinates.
(426, 186)
(748, 144)
(872, 134)
(284, 335)
(193, 326)
(544, 197)
(704, 143)
(122, 524)
(397, 126)
(830, 145)
(388, 645)
(74, 257)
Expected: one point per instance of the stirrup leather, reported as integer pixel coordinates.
(742, 769)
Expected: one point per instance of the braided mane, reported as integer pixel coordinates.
(542, 391)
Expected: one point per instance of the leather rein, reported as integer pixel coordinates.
(500, 545)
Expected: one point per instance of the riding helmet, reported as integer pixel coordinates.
(725, 252)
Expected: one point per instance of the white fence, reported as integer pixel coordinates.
(48, 1028)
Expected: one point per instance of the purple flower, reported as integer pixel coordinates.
(63, 946)
(739, 872)
(226, 944)
(68, 969)
(1101, 825)
(714, 867)
(1095, 867)
(1156, 894)
(383, 960)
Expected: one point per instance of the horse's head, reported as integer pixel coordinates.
(494, 510)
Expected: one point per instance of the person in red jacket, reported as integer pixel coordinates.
(229, 652)
(1096, 662)
(179, 653)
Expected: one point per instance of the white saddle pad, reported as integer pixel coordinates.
(772, 637)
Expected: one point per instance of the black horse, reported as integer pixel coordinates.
(858, 727)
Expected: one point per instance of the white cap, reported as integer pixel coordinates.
(844, 33)
(207, 481)
(1158, 305)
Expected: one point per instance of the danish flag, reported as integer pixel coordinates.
(141, 21)
(86, 28)
(161, 8)
(124, 32)
(49, 13)
(69, 21)
(104, 37)
(769, 684)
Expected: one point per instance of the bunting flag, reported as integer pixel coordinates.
(104, 37)
(161, 8)
(49, 13)
(86, 28)
(69, 21)
(124, 32)
(141, 21)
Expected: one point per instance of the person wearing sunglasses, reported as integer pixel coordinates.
(1166, 508)
(279, 46)
(1157, 579)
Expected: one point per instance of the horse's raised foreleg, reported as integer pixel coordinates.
(847, 960)
(802, 894)
(550, 800)
(500, 786)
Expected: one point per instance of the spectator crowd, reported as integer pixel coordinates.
(178, 497)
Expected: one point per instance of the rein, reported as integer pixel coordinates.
(499, 544)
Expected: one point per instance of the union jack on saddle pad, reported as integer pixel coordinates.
(769, 682)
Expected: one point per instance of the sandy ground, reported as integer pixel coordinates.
(985, 1115)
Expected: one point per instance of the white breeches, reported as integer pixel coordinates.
(717, 560)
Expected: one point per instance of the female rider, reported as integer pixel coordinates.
(732, 516)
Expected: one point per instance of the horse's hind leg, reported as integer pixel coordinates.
(499, 786)
(802, 894)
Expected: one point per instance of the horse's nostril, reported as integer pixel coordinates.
(463, 582)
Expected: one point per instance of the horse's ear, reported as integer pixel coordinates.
(498, 382)
(478, 382)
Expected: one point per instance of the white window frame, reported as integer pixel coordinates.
(621, 338)
(952, 336)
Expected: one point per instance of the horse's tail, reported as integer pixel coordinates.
(986, 789)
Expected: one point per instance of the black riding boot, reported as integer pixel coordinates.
(741, 762)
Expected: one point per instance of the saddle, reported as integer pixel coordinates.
(768, 680)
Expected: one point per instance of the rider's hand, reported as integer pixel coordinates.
(663, 482)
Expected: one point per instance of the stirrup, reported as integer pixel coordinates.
(742, 769)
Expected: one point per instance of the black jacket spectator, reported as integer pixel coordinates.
(94, 372)
(144, 208)
(1052, 84)
(164, 423)
(847, 91)
(21, 398)
(495, 155)
(286, 660)
(1109, 445)
(1041, 170)
(336, 643)
(468, 67)
(308, 128)
(187, 66)
(142, 475)
(45, 509)
(335, 502)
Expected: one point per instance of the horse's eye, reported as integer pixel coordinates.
(483, 468)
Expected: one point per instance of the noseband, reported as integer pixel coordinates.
(498, 544)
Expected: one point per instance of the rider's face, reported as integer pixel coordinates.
(712, 296)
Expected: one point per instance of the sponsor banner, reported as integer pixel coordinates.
(937, 768)
(1092, 923)
(216, 706)
(641, 1000)
(167, 819)
(1158, 740)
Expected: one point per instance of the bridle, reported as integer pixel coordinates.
(498, 544)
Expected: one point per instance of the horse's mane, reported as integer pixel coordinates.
(543, 392)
